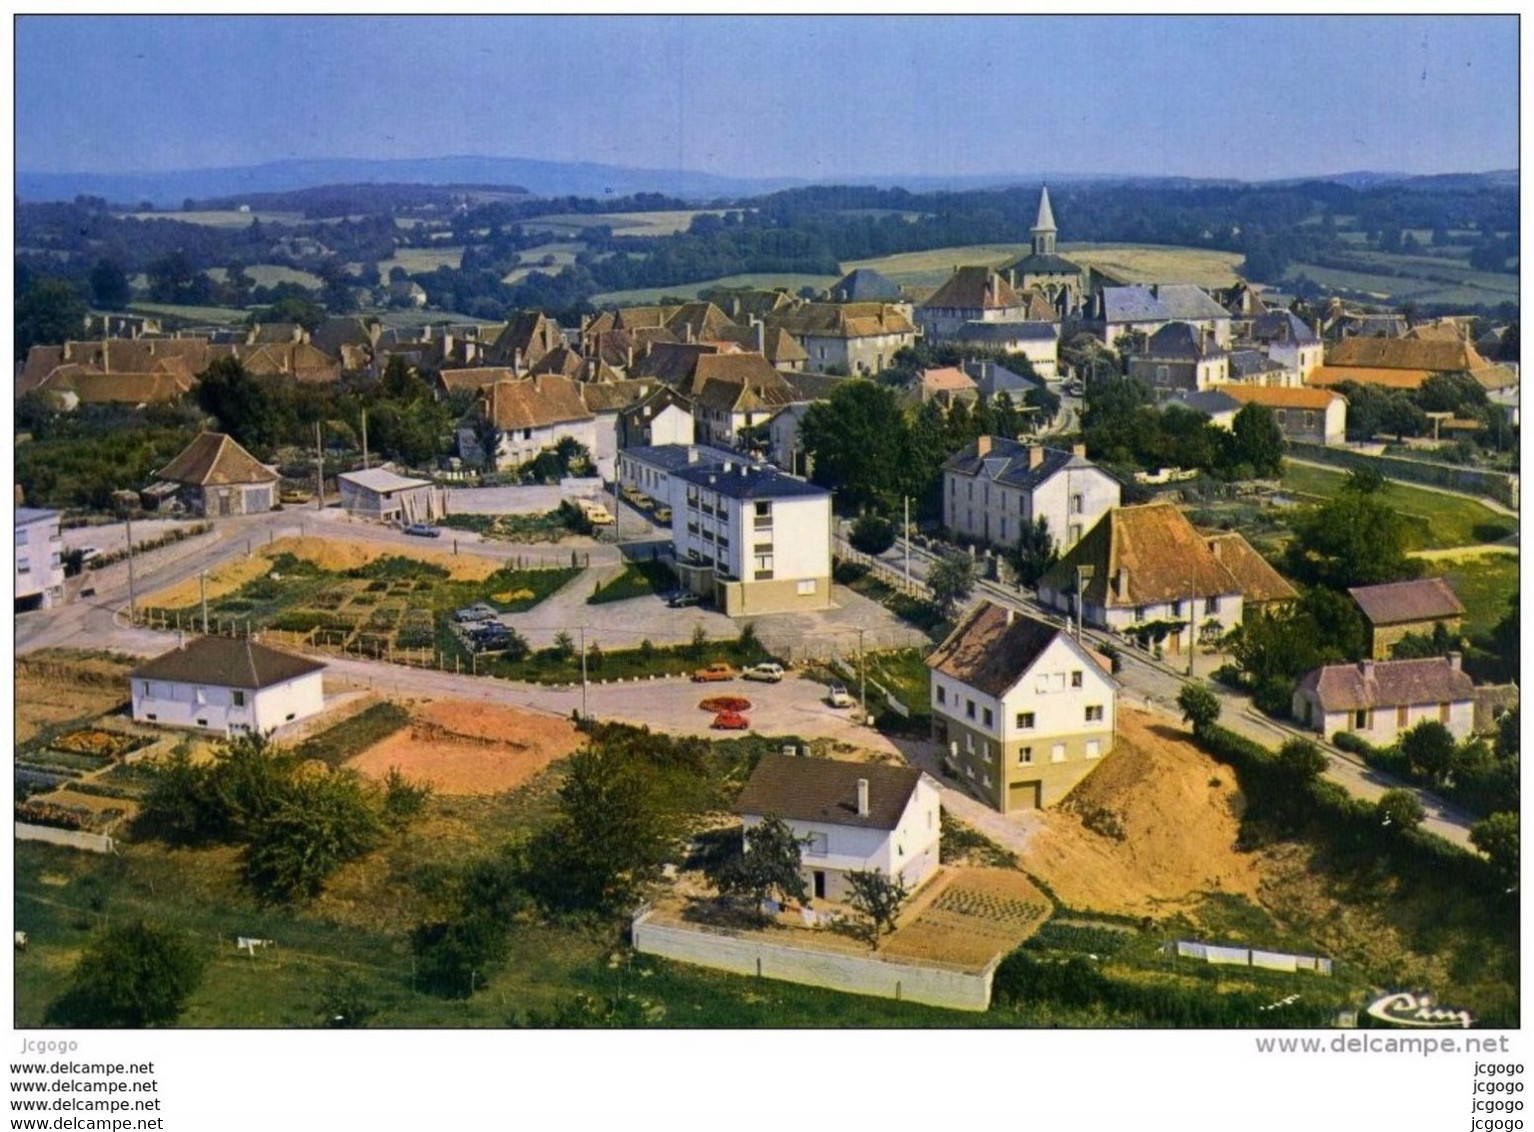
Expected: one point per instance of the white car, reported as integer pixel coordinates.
(837, 696)
(768, 672)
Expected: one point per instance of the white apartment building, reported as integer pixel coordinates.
(750, 537)
(39, 559)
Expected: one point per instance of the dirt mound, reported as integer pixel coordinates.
(1148, 832)
(463, 747)
(223, 579)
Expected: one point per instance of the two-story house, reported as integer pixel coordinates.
(1395, 609)
(530, 415)
(1022, 709)
(1309, 414)
(995, 487)
(848, 817)
(1288, 339)
(852, 338)
(39, 559)
(970, 294)
(1181, 356)
(751, 538)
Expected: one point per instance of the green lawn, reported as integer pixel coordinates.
(643, 295)
(1434, 520)
(1485, 584)
(637, 580)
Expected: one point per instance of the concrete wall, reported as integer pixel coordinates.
(869, 974)
(1501, 486)
(69, 838)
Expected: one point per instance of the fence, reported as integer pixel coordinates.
(955, 988)
(1501, 486)
(891, 576)
(1250, 957)
(72, 838)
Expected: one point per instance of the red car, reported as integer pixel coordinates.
(731, 721)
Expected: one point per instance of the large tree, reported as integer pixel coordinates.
(877, 898)
(951, 579)
(321, 822)
(856, 441)
(1256, 441)
(132, 975)
(768, 866)
(109, 286)
(1497, 837)
(51, 311)
(1353, 539)
(241, 403)
(1036, 552)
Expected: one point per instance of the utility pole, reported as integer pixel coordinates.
(364, 440)
(319, 470)
(1192, 615)
(202, 589)
(583, 672)
(132, 606)
(907, 501)
(862, 677)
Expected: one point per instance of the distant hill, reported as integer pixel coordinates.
(541, 178)
(588, 179)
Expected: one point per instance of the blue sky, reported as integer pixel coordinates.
(786, 96)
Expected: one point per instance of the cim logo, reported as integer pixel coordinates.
(1406, 1009)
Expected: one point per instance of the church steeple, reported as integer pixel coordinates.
(1044, 227)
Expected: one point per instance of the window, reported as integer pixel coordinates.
(985, 780)
(527, 434)
(1025, 756)
(989, 719)
(763, 561)
(1361, 719)
(1094, 748)
(288, 718)
(818, 845)
(1094, 713)
(1057, 753)
(763, 508)
(200, 695)
(1024, 720)
(1443, 713)
(202, 723)
(239, 697)
(151, 716)
(1076, 504)
(1310, 419)
(23, 566)
(1280, 416)
(1041, 684)
(762, 548)
(1402, 713)
(1139, 613)
(941, 693)
(1211, 605)
(1177, 609)
(1076, 678)
(762, 576)
(969, 708)
(985, 750)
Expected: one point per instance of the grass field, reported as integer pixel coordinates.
(1469, 286)
(622, 223)
(564, 254)
(1485, 583)
(1151, 263)
(193, 314)
(269, 275)
(228, 218)
(929, 268)
(418, 260)
(1434, 520)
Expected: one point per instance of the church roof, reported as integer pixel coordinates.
(1044, 263)
(1046, 220)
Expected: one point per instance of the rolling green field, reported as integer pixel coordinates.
(1434, 521)
(418, 260)
(1484, 583)
(1466, 286)
(666, 223)
(194, 314)
(269, 275)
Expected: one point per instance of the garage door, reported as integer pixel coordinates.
(1023, 796)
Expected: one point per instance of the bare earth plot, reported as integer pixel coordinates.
(62, 684)
(972, 915)
(462, 747)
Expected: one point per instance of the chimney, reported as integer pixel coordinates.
(735, 307)
(1035, 455)
(862, 797)
(1366, 666)
(687, 335)
(692, 455)
(759, 336)
(1454, 659)
(1010, 612)
(982, 446)
(516, 362)
(1214, 548)
(1079, 450)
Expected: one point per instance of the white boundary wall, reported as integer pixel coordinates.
(73, 838)
(952, 987)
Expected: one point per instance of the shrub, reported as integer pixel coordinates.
(872, 534)
(132, 975)
(846, 573)
(1400, 810)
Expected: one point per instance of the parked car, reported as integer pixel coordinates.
(663, 514)
(768, 672)
(87, 553)
(683, 599)
(713, 673)
(490, 638)
(731, 721)
(837, 696)
(423, 530)
(479, 611)
(292, 496)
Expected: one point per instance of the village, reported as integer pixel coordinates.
(940, 645)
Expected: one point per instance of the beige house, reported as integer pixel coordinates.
(970, 294)
(1023, 710)
(1397, 608)
(214, 476)
(855, 338)
(1146, 572)
(1380, 700)
(1309, 415)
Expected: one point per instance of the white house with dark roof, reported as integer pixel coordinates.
(39, 579)
(1022, 709)
(1146, 308)
(1039, 342)
(227, 685)
(1288, 340)
(1379, 700)
(849, 817)
(995, 487)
